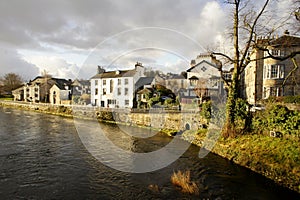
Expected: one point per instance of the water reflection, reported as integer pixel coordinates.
(42, 157)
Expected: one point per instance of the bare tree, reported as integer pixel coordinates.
(47, 76)
(247, 23)
(11, 81)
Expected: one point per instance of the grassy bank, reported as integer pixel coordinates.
(275, 158)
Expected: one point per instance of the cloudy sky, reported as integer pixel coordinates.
(70, 38)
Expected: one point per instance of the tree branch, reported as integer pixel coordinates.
(292, 71)
(248, 44)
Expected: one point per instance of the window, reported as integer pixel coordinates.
(111, 101)
(126, 102)
(96, 82)
(119, 81)
(111, 88)
(265, 92)
(126, 91)
(104, 91)
(104, 82)
(274, 52)
(119, 91)
(96, 91)
(274, 71)
(36, 89)
(272, 91)
(126, 81)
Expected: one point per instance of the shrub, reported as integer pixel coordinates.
(182, 180)
(206, 110)
(277, 118)
(106, 115)
(291, 99)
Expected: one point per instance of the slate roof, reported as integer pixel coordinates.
(144, 81)
(116, 74)
(61, 83)
(82, 82)
(203, 61)
(194, 78)
(286, 40)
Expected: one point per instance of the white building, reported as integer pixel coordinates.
(203, 80)
(115, 89)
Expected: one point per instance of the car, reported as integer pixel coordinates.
(257, 107)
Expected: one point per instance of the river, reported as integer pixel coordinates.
(43, 157)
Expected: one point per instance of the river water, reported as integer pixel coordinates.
(42, 157)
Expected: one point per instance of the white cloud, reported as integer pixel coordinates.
(63, 31)
(55, 66)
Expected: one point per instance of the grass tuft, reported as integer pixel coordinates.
(183, 181)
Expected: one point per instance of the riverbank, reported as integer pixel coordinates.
(275, 158)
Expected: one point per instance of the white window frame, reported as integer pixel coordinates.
(274, 71)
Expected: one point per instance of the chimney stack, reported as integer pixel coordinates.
(286, 32)
(100, 70)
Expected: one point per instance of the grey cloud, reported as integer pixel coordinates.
(11, 61)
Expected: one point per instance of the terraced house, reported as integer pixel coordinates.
(115, 89)
(38, 89)
(264, 78)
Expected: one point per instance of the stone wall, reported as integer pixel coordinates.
(159, 118)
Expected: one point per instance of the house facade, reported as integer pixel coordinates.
(38, 89)
(60, 94)
(176, 83)
(203, 80)
(266, 77)
(81, 92)
(80, 87)
(115, 89)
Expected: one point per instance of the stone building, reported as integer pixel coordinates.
(60, 93)
(265, 77)
(38, 89)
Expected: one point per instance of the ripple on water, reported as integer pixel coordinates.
(42, 157)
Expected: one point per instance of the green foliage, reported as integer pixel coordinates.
(277, 118)
(168, 102)
(163, 91)
(154, 100)
(105, 115)
(214, 113)
(148, 95)
(291, 99)
(206, 110)
(241, 109)
(283, 99)
(76, 99)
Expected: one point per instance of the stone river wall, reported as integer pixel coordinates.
(155, 118)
